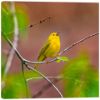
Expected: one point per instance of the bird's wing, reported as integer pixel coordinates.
(42, 56)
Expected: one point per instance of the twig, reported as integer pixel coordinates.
(15, 41)
(18, 54)
(41, 21)
(52, 77)
(33, 69)
(76, 43)
(33, 25)
(44, 88)
(11, 44)
(56, 79)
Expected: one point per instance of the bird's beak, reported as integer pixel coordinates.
(57, 34)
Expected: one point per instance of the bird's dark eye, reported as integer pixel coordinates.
(53, 34)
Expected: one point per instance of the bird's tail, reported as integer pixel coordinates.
(40, 58)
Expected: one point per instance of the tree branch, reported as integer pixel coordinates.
(51, 77)
(44, 88)
(76, 43)
(40, 22)
(46, 78)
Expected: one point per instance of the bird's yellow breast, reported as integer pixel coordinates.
(54, 47)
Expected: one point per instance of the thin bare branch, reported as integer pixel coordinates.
(52, 77)
(44, 88)
(11, 44)
(33, 69)
(41, 21)
(15, 41)
(77, 43)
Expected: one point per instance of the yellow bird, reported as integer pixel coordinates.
(51, 48)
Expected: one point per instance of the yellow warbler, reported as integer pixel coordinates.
(51, 48)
